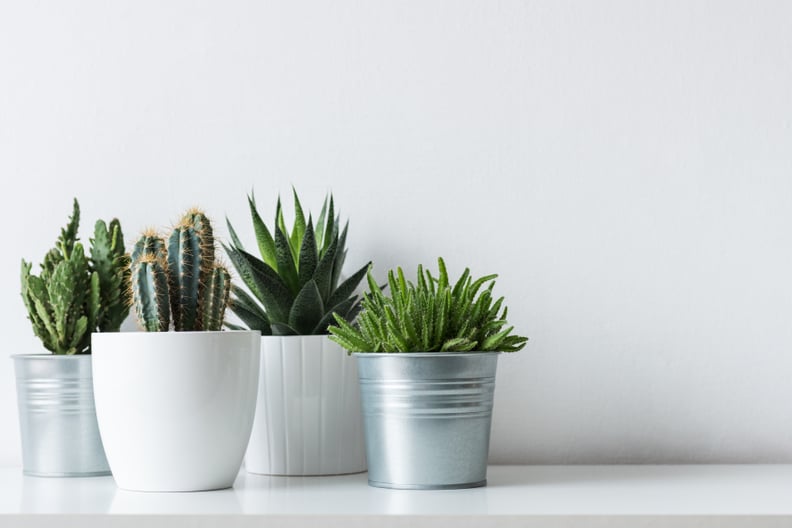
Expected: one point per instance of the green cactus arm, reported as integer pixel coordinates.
(150, 293)
(80, 334)
(93, 305)
(69, 291)
(149, 243)
(217, 294)
(109, 263)
(184, 279)
(64, 245)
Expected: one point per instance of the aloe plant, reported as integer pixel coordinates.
(294, 286)
(181, 282)
(430, 315)
(76, 294)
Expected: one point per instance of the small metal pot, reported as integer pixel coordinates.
(57, 418)
(427, 418)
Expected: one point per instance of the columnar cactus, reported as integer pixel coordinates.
(181, 281)
(74, 294)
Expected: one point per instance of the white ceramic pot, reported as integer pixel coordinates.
(175, 409)
(308, 419)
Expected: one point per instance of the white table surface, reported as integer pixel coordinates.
(700, 495)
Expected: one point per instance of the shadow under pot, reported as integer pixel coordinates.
(57, 417)
(175, 409)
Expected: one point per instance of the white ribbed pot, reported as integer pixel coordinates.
(175, 409)
(308, 419)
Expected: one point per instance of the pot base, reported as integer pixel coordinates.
(391, 485)
(71, 474)
(305, 475)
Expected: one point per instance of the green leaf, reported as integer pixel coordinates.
(283, 329)
(264, 239)
(320, 228)
(250, 317)
(342, 309)
(308, 255)
(299, 227)
(341, 253)
(348, 287)
(323, 274)
(307, 309)
(233, 234)
(263, 282)
(285, 260)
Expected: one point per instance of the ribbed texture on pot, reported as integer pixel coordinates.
(427, 418)
(57, 416)
(308, 419)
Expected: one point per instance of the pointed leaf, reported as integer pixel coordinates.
(342, 309)
(349, 286)
(263, 282)
(285, 259)
(308, 256)
(283, 329)
(307, 309)
(264, 239)
(299, 226)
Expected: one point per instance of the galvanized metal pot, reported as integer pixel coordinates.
(308, 414)
(57, 417)
(427, 418)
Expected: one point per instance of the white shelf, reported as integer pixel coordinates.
(548, 496)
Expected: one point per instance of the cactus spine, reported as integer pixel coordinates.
(180, 283)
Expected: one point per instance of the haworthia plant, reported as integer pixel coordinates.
(76, 294)
(294, 287)
(179, 281)
(430, 315)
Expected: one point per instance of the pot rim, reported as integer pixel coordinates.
(422, 354)
(172, 333)
(50, 355)
(301, 336)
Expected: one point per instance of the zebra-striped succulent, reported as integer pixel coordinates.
(179, 282)
(294, 287)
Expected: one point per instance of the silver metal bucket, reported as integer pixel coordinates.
(427, 418)
(57, 418)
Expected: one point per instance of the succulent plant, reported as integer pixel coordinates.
(294, 287)
(74, 294)
(180, 282)
(431, 315)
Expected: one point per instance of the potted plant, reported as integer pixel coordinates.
(175, 408)
(427, 355)
(74, 295)
(308, 416)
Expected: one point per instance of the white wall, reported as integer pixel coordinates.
(626, 166)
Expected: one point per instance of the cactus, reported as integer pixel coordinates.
(75, 295)
(182, 282)
(148, 268)
(295, 285)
